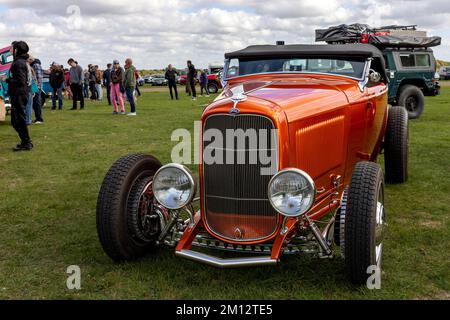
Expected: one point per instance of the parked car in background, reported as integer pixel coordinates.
(215, 67)
(6, 60)
(140, 81)
(148, 79)
(159, 80)
(444, 73)
(409, 61)
(214, 83)
(288, 166)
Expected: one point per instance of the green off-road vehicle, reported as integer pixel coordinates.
(410, 62)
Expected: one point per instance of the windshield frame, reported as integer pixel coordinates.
(363, 77)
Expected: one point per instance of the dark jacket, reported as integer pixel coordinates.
(204, 79)
(18, 79)
(192, 72)
(107, 77)
(57, 77)
(117, 75)
(171, 75)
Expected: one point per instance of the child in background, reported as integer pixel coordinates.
(204, 84)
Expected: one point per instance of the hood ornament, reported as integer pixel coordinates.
(236, 99)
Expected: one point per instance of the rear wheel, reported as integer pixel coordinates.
(213, 87)
(364, 221)
(126, 224)
(412, 98)
(396, 146)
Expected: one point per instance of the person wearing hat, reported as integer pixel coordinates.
(116, 77)
(76, 83)
(56, 81)
(19, 84)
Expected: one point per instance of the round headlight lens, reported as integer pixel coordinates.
(173, 186)
(292, 192)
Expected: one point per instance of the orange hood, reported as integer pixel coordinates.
(296, 95)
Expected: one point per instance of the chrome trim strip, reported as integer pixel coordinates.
(226, 263)
(233, 198)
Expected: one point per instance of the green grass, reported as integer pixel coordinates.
(47, 216)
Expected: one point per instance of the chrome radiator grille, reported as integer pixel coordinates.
(235, 194)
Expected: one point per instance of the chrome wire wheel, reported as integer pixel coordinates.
(143, 221)
(379, 227)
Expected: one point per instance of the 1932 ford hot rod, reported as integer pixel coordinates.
(287, 166)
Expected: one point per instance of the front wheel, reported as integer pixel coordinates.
(126, 224)
(364, 221)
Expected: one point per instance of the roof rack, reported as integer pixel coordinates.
(394, 36)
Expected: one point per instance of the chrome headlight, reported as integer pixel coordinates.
(174, 186)
(291, 192)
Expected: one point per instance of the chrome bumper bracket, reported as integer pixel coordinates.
(226, 263)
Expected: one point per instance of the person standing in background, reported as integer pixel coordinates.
(204, 83)
(32, 90)
(187, 87)
(98, 83)
(171, 76)
(56, 81)
(37, 99)
(107, 82)
(192, 75)
(137, 76)
(76, 83)
(18, 88)
(92, 81)
(67, 87)
(86, 84)
(116, 83)
(129, 84)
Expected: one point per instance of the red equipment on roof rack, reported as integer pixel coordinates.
(384, 37)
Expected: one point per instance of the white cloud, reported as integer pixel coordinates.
(156, 33)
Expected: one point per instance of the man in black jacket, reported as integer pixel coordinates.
(171, 76)
(19, 91)
(57, 78)
(192, 75)
(107, 81)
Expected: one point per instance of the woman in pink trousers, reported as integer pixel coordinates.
(117, 73)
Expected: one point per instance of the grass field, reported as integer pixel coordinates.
(47, 216)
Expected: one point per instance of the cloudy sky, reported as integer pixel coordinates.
(158, 32)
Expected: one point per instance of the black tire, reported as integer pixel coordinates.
(366, 189)
(213, 87)
(115, 204)
(412, 98)
(396, 146)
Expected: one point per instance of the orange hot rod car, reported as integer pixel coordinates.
(287, 166)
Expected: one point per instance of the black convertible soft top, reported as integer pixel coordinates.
(308, 50)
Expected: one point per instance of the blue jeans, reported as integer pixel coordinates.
(130, 96)
(29, 109)
(57, 95)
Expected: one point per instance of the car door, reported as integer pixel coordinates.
(375, 115)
